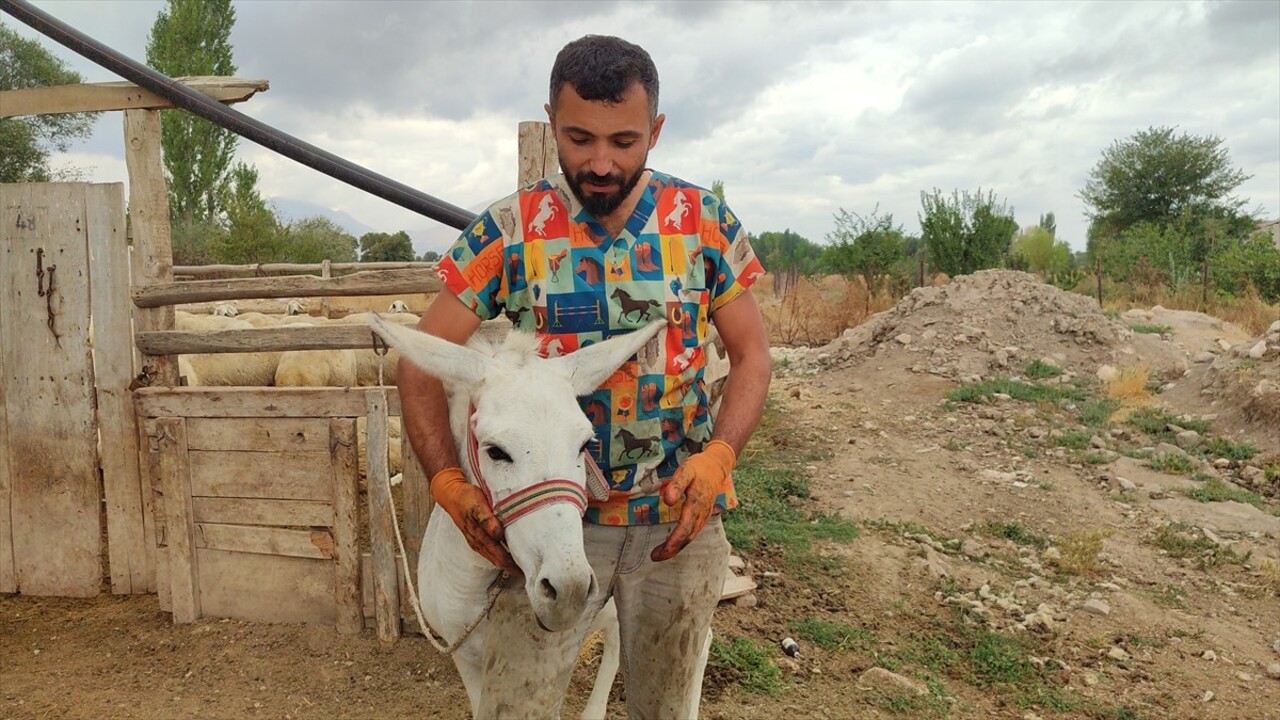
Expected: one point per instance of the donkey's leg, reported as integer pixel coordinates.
(607, 622)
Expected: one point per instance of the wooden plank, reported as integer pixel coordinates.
(736, 586)
(346, 493)
(265, 588)
(336, 336)
(367, 282)
(149, 218)
(9, 332)
(537, 152)
(418, 505)
(381, 532)
(153, 508)
(113, 370)
(258, 434)
(54, 494)
(280, 476)
(184, 568)
(253, 402)
(315, 544)
(262, 511)
(96, 97)
(198, 271)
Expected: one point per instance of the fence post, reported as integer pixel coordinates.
(1097, 271)
(326, 272)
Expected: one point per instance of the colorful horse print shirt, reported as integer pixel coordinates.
(545, 262)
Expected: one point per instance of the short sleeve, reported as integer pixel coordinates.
(737, 267)
(473, 268)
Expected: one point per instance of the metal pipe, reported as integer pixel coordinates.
(237, 122)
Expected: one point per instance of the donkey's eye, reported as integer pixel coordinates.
(497, 454)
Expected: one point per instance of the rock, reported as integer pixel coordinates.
(1052, 554)
(1167, 449)
(928, 335)
(973, 549)
(1257, 351)
(1107, 373)
(1125, 484)
(1209, 655)
(746, 601)
(1096, 442)
(1223, 345)
(1118, 654)
(904, 338)
(1207, 696)
(1273, 671)
(1188, 439)
(1158, 494)
(1203, 357)
(1247, 677)
(890, 683)
(1097, 607)
(1276, 647)
(1255, 476)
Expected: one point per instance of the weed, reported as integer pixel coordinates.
(1131, 386)
(748, 663)
(1155, 421)
(1182, 541)
(1039, 370)
(1270, 574)
(1028, 392)
(1124, 496)
(1079, 551)
(1215, 490)
(768, 516)
(832, 635)
(1072, 439)
(1097, 459)
(1097, 414)
(1151, 329)
(1014, 532)
(999, 660)
(955, 445)
(1172, 463)
(1224, 448)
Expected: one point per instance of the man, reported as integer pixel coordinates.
(605, 248)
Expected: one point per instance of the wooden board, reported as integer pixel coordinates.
(365, 282)
(255, 402)
(96, 97)
(735, 586)
(346, 494)
(255, 511)
(315, 544)
(131, 566)
(536, 146)
(275, 339)
(283, 476)
(53, 491)
(259, 434)
(265, 588)
(174, 471)
(386, 589)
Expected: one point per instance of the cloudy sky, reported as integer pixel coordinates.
(800, 108)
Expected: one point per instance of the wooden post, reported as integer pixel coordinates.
(537, 152)
(342, 451)
(175, 474)
(1097, 271)
(326, 272)
(386, 588)
(132, 563)
(417, 500)
(149, 212)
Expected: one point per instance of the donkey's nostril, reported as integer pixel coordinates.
(547, 589)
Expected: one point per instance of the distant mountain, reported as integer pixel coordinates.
(290, 209)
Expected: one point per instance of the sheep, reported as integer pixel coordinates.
(294, 307)
(395, 461)
(251, 369)
(201, 323)
(225, 309)
(367, 360)
(315, 368)
(398, 306)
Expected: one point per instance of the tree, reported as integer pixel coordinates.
(1050, 223)
(1157, 177)
(429, 256)
(315, 239)
(193, 37)
(386, 247)
(966, 233)
(252, 232)
(870, 246)
(1036, 250)
(787, 256)
(27, 142)
(717, 189)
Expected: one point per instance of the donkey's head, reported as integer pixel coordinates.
(522, 437)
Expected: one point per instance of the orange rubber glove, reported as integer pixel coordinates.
(698, 480)
(470, 510)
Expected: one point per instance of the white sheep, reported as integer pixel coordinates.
(250, 369)
(395, 461)
(316, 368)
(398, 306)
(294, 307)
(367, 360)
(225, 309)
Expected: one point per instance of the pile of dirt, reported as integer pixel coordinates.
(996, 322)
(1245, 381)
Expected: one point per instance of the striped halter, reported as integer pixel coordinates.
(512, 507)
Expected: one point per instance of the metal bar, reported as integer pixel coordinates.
(237, 122)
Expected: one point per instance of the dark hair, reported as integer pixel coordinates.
(603, 67)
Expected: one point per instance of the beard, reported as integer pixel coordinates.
(601, 204)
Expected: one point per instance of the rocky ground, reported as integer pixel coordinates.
(1026, 546)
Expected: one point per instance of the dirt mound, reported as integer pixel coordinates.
(997, 322)
(1245, 380)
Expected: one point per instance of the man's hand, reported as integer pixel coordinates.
(470, 510)
(698, 480)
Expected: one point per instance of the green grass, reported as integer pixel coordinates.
(1151, 329)
(748, 664)
(1223, 448)
(1028, 392)
(832, 636)
(1015, 532)
(1215, 490)
(1072, 439)
(1039, 370)
(999, 660)
(768, 516)
(1182, 541)
(1097, 413)
(1172, 463)
(1152, 421)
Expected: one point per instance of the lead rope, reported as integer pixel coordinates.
(495, 588)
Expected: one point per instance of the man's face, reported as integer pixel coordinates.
(602, 146)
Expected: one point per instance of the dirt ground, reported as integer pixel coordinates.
(1140, 634)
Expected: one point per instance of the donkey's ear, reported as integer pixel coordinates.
(587, 367)
(453, 364)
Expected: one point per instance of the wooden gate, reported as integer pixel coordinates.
(51, 401)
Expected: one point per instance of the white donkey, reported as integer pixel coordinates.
(515, 417)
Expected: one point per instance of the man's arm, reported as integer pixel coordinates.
(741, 327)
(424, 409)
